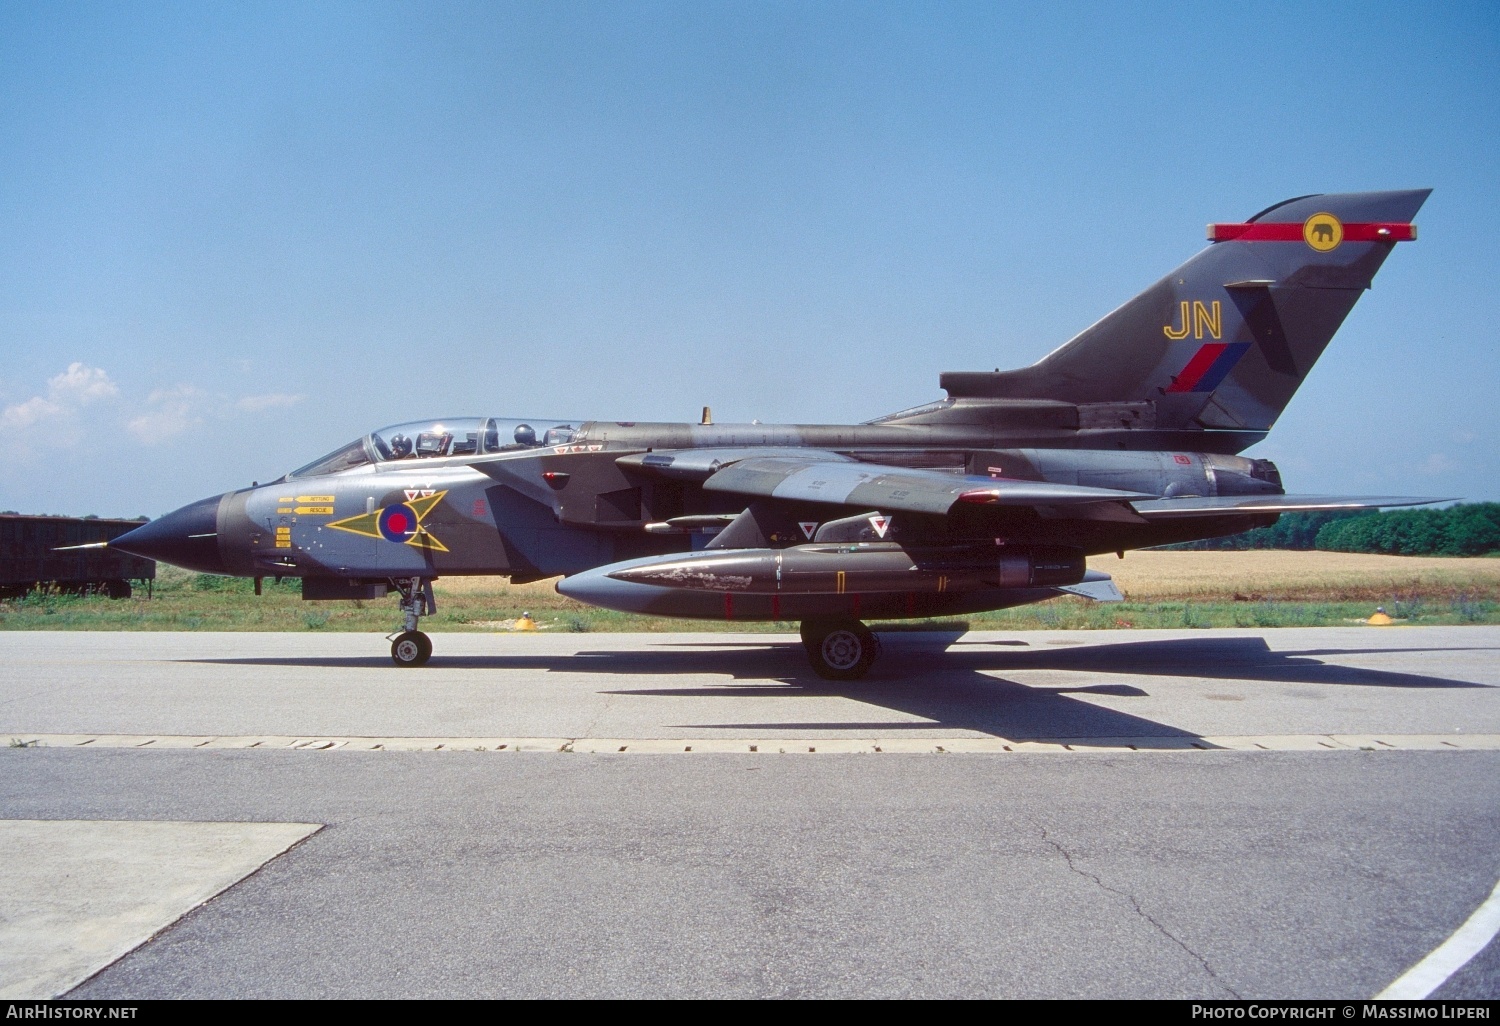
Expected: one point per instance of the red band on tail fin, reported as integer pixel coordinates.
(1257, 231)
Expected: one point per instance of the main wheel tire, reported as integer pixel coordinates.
(411, 648)
(840, 649)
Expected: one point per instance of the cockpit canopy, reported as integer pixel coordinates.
(429, 439)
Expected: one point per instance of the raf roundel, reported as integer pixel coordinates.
(398, 523)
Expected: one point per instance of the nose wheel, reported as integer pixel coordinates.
(411, 648)
(839, 649)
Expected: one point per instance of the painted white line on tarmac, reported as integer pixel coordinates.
(777, 746)
(1450, 956)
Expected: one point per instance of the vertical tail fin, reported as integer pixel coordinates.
(1224, 340)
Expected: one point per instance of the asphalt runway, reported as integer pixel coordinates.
(1280, 813)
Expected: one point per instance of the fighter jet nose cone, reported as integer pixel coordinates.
(188, 537)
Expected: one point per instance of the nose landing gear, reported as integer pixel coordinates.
(839, 649)
(410, 647)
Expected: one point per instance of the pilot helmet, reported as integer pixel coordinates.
(400, 447)
(525, 434)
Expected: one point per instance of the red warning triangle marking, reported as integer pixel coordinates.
(808, 527)
(880, 524)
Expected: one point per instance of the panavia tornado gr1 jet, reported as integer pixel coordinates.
(1124, 437)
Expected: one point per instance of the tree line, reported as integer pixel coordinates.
(1467, 529)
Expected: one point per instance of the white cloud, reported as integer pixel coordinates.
(258, 403)
(33, 410)
(53, 418)
(169, 412)
(68, 392)
(1438, 463)
(81, 384)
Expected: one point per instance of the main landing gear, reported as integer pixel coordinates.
(411, 647)
(839, 649)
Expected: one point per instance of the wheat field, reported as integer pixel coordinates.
(1274, 574)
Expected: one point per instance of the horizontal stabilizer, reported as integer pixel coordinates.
(1096, 586)
(1230, 505)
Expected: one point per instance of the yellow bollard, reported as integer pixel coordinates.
(525, 623)
(1380, 618)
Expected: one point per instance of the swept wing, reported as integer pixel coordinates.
(830, 478)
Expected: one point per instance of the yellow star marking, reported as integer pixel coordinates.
(365, 524)
(368, 524)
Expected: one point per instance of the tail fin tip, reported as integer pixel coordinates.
(1239, 325)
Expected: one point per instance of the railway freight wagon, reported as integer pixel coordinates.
(28, 560)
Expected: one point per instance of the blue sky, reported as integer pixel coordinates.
(234, 236)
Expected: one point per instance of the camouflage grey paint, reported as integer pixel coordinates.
(1114, 441)
(505, 519)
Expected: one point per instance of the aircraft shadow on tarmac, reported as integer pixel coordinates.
(957, 689)
(951, 684)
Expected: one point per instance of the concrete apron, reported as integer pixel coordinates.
(77, 895)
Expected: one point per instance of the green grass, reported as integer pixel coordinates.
(190, 602)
